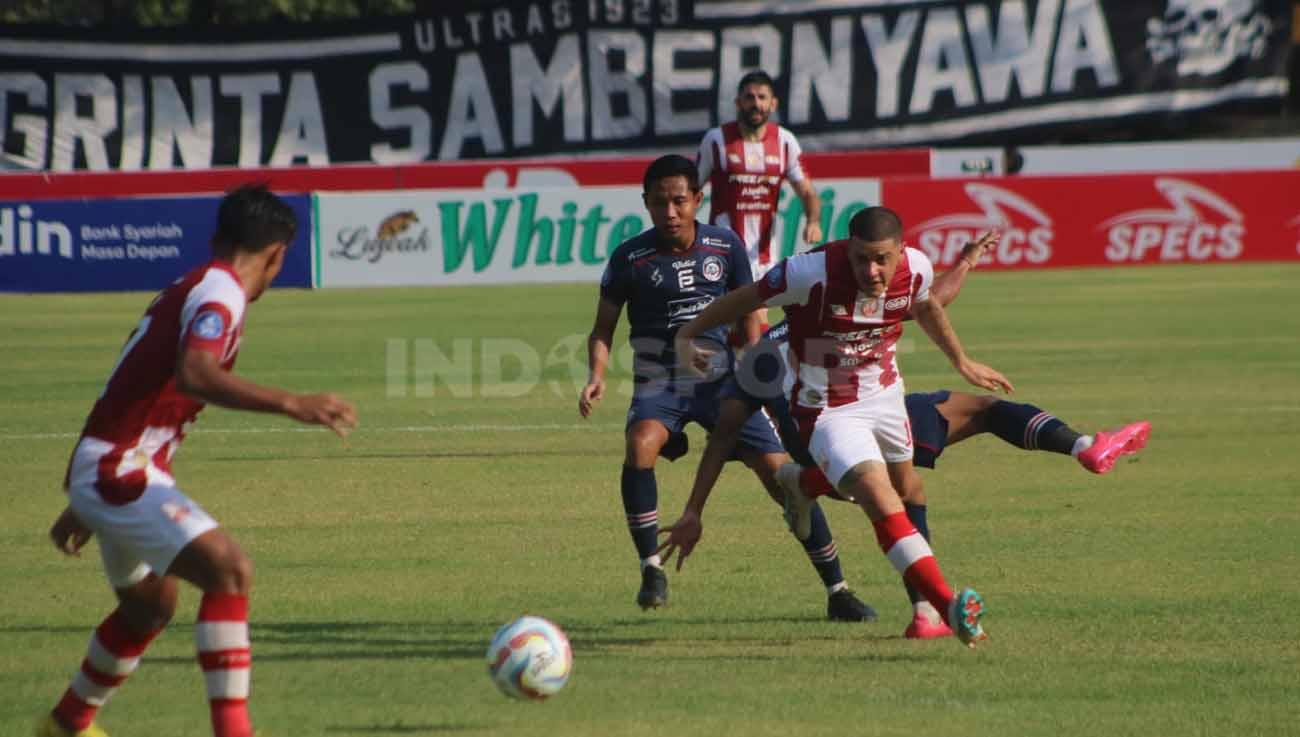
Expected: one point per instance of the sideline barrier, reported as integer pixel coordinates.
(1108, 220)
(621, 170)
(122, 244)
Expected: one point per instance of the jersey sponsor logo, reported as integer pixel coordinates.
(656, 277)
(1200, 225)
(712, 268)
(897, 303)
(775, 160)
(715, 242)
(733, 157)
(209, 325)
(684, 310)
(175, 512)
(1027, 231)
(1207, 36)
(839, 311)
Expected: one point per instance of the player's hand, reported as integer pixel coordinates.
(972, 252)
(593, 392)
(682, 537)
(984, 377)
(812, 233)
(68, 533)
(693, 358)
(326, 409)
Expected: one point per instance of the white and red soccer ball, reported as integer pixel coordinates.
(530, 658)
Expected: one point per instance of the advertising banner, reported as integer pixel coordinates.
(510, 235)
(1105, 220)
(527, 78)
(122, 244)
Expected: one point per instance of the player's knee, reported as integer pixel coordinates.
(234, 572)
(642, 449)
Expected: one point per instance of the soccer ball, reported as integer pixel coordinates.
(530, 658)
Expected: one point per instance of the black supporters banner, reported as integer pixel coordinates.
(519, 78)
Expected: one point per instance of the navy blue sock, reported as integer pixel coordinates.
(916, 514)
(641, 504)
(1026, 426)
(821, 549)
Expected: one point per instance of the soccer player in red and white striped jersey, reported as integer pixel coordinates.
(744, 163)
(845, 304)
(119, 482)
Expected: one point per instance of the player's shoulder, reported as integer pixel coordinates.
(634, 249)
(785, 134)
(714, 134)
(917, 261)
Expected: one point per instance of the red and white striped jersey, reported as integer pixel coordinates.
(141, 417)
(745, 181)
(842, 342)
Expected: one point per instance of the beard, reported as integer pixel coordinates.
(755, 117)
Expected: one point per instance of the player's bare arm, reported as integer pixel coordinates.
(722, 311)
(69, 534)
(689, 528)
(598, 348)
(200, 375)
(948, 284)
(933, 319)
(812, 208)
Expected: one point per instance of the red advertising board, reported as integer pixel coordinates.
(623, 170)
(1105, 220)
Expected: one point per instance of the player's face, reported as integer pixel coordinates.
(754, 105)
(672, 207)
(874, 263)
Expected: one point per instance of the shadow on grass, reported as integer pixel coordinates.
(391, 455)
(467, 640)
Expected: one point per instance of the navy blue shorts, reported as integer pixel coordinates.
(674, 409)
(929, 428)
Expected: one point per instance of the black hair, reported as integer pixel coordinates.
(250, 218)
(876, 224)
(672, 165)
(758, 76)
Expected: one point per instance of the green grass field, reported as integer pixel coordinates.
(1161, 599)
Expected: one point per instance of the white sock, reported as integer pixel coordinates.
(927, 609)
(841, 586)
(1083, 443)
(651, 561)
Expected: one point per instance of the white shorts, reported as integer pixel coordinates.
(139, 537)
(871, 430)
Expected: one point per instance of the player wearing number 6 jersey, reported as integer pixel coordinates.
(845, 305)
(119, 482)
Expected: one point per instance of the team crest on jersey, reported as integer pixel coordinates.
(209, 325)
(870, 306)
(712, 268)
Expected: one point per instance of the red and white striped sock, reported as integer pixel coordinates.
(113, 654)
(911, 556)
(221, 635)
(813, 483)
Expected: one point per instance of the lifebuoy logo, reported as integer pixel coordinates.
(1027, 231)
(1200, 225)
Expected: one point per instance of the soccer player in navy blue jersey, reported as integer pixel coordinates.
(665, 276)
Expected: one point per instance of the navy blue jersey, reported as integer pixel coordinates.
(664, 290)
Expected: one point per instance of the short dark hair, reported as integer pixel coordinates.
(758, 76)
(672, 165)
(876, 224)
(250, 218)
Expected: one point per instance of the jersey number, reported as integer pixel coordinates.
(686, 280)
